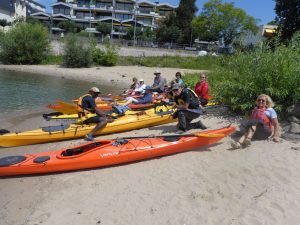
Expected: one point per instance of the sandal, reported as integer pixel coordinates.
(236, 145)
(247, 142)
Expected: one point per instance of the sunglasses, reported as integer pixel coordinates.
(203, 77)
(261, 100)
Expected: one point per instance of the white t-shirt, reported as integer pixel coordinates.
(140, 88)
(270, 112)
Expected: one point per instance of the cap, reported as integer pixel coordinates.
(157, 72)
(95, 89)
(148, 88)
(176, 87)
(142, 79)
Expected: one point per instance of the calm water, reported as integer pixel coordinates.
(27, 92)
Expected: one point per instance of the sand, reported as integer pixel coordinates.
(213, 185)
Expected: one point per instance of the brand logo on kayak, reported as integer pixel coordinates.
(109, 154)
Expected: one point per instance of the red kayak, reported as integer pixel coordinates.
(108, 152)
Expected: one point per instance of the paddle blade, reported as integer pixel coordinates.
(209, 135)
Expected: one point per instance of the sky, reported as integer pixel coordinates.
(259, 9)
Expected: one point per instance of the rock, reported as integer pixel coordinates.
(296, 110)
(293, 119)
(294, 128)
(295, 148)
(291, 137)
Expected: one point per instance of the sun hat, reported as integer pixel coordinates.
(95, 89)
(157, 72)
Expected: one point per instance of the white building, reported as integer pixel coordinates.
(13, 9)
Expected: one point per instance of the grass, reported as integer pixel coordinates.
(52, 60)
(203, 63)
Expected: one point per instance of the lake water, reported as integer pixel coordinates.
(27, 92)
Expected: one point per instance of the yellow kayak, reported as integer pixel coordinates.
(138, 120)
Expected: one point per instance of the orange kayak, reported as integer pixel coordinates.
(108, 152)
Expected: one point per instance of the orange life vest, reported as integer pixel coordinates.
(260, 114)
(82, 113)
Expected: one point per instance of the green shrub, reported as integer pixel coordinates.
(52, 60)
(76, 52)
(239, 79)
(106, 57)
(25, 44)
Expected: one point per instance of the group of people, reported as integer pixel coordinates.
(263, 122)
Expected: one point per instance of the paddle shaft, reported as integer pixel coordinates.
(176, 135)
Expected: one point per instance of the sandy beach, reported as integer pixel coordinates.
(213, 185)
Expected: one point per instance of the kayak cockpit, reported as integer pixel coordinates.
(81, 150)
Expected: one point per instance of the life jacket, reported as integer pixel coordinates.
(81, 111)
(259, 114)
(194, 101)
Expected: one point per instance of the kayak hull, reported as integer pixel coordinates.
(111, 152)
(49, 134)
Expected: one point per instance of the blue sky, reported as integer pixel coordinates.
(259, 9)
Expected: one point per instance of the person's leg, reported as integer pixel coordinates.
(192, 115)
(245, 140)
(101, 122)
(130, 100)
(182, 122)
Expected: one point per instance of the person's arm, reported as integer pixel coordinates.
(204, 91)
(185, 102)
(198, 89)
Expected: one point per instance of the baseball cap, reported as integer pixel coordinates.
(95, 89)
(176, 87)
(142, 79)
(148, 87)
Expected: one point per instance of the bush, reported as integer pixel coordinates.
(25, 44)
(106, 57)
(76, 53)
(239, 79)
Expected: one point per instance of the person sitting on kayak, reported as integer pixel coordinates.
(158, 83)
(263, 123)
(188, 108)
(140, 89)
(132, 87)
(147, 97)
(201, 89)
(86, 105)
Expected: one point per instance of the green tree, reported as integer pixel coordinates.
(288, 17)
(184, 16)
(167, 30)
(104, 28)
(77, 53)
(222, 20)
(25, 44)
(69, 26)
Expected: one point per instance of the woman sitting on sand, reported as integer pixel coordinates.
(263, 123)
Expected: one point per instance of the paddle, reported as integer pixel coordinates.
(178, 135)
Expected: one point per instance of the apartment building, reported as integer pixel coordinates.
(118, 13)
(13, 9)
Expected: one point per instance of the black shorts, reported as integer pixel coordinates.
(94, 119)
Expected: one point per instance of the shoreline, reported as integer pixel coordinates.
(210, 185)
(109, 76)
